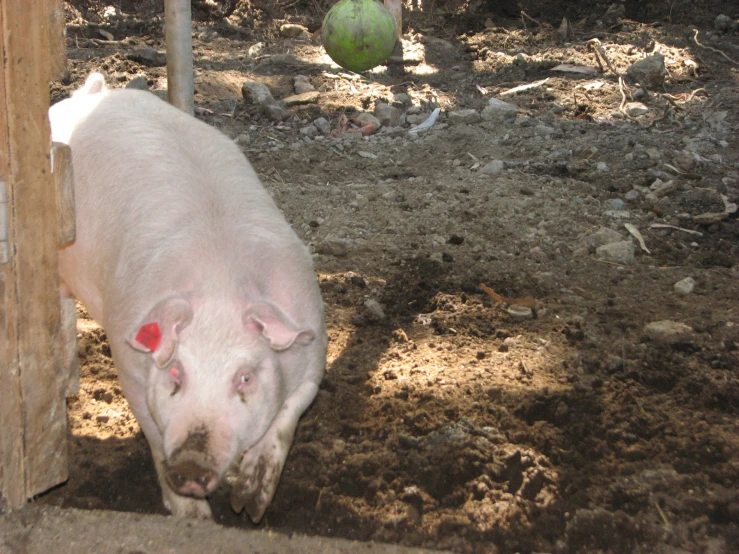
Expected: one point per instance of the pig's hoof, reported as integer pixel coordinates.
(256, 483)
(184, 506)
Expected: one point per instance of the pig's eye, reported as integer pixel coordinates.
(175, 375)
(241, 383)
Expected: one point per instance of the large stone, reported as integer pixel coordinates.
(650, 72)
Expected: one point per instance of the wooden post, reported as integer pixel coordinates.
(178, 35)
(33, 422)
(395, 7)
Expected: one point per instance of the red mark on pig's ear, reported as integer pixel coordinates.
(150, 336)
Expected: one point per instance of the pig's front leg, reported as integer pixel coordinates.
(178, 505)
(261, 466)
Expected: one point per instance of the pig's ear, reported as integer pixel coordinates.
(94, 84)
(160, 329)
(275, 326)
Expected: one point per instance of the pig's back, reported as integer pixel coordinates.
(165, 202)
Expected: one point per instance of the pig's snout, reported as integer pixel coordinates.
(191, 479)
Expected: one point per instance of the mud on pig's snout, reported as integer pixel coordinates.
(187, 469)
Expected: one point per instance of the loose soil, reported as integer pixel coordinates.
(447, 418)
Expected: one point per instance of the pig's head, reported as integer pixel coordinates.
(215, 382)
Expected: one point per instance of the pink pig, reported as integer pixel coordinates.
(209, 299)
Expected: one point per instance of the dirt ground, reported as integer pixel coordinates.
(555, 414)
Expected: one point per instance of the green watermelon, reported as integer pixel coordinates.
(358, 34)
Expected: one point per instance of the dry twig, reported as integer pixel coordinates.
(695, 39)
(525, 16)
(595, 46)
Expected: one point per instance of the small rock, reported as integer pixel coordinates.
(140, 82)
(291, 30)
(602, 166)
(660, 188)
(256, 93)
(148, 56)
(301, 84)
(402, 98)
(632, 195)
(243, 139)
(408, 441)
(275, 112)
(520, 312)
(416, 118)
(618, 252)
(684, 286)
(393, 131)
(635, 109)
(309, 130)
(375, 309)
(725, 24)
(614, 204)
(685, 161)
(255, 49)
(511, 341)
(368, 155)
(653, 153)
(281, 60)
(618, 214)
(368, 119)
(499, 111)
(465, 117)
(301, 99)
(323, 125)
(668, 332)
(717, 118)
(602, 236)
(649, 72)
(388, 116)
(641, 95)
(333, 246)
(493, 168)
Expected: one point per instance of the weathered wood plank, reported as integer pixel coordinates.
(33, 233)
(12, 472)
(61, 165)
(71, 357)
(57, 39)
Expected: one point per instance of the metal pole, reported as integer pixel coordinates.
(178, 35)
